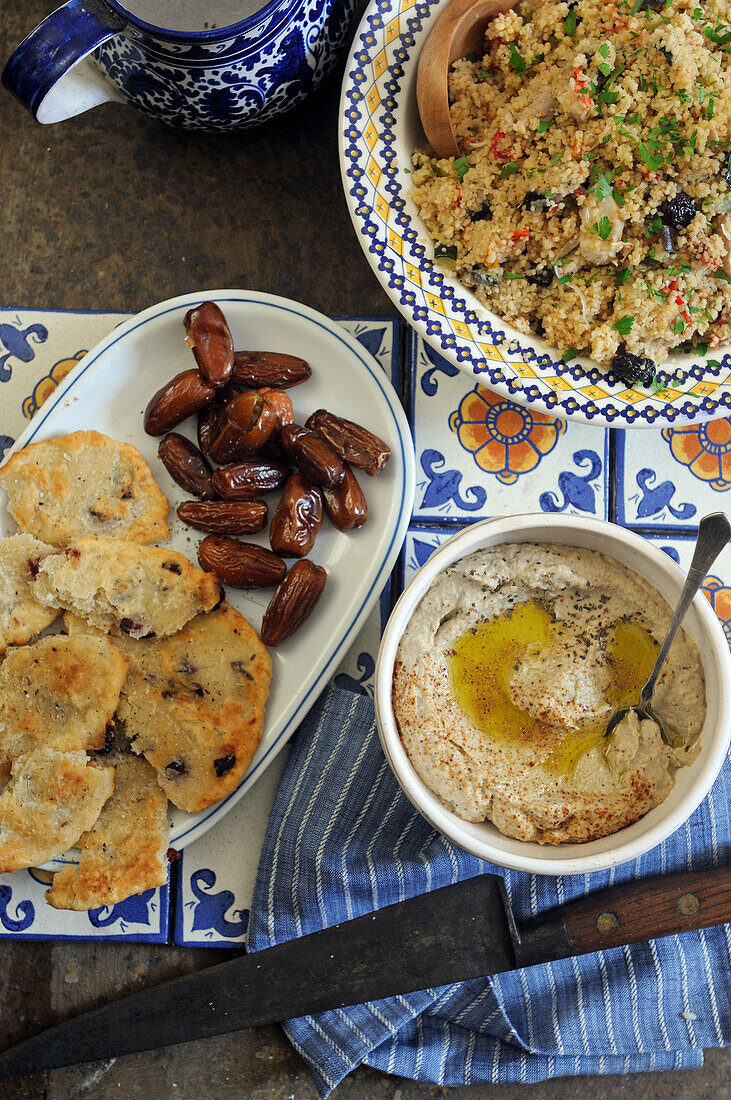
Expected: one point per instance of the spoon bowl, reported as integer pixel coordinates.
(714, 532)
(459, 30)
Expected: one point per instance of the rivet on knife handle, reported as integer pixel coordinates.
(628, 913)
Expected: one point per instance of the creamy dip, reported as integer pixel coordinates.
(507, 674)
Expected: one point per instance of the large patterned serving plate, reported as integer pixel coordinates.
(379, 128)
(108, 391)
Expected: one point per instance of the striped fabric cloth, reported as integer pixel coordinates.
(343, 840)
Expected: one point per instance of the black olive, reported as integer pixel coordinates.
(539, 328)
(176, 767)
(668, 56)
(727, 170)
(541, 276)
(666, 235)
(652, 5)
(535, 202)
(484, 214)
(631, 368)
(482, 277)
(679, 211)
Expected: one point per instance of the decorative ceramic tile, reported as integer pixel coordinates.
(38, 348)
(25, 914)
(216, 874)
(717, 585)
(478, 454)
(670, 479)
(213, 880)
(420, 544)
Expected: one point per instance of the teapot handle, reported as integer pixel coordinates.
(51, 72)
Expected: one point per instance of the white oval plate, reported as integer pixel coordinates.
(109, 390)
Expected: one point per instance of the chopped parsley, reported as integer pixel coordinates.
(569, 354)
(508, 169)
(517, 61)
(546, 125)
(569, 23)
(602, 228)
(624, 325)
(603, 187)
(461, 166)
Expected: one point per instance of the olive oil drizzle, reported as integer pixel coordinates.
(482, 661)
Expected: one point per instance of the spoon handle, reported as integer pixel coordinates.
(714, 532)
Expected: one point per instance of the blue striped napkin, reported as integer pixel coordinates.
(343, 840)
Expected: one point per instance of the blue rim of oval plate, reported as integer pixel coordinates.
(207, 818)
(390, 35)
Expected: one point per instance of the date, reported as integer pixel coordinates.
(208, 335)
(312, 455)
(207, 418)
(270, 368)
(297, 519)
(281, 402)
(248, 480)
(351, 442)
(224, 517)
(241, 564)
(244, 425)
(346, 504)
(293, 602)
(186, 465)
(183, 395)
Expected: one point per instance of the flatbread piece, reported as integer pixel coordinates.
(21, 615)
(143, 591)
(84, 484)
(59, 692)
(51, 799)
(125, 852)
(193, 704)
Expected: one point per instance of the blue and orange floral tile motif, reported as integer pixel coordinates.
(482, 455)
(46, 385)
(670, 479)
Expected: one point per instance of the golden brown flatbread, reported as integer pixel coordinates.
(21, 616)
(143, 591)
(51, 799)
(59, 692)
(84, 484)
(193, 704)
(125, 852)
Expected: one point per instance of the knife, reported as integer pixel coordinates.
(449, 935)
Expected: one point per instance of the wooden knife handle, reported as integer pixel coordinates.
(638, 910)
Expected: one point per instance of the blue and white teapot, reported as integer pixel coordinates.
(199, 64)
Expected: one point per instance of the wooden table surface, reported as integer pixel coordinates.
(112, 211)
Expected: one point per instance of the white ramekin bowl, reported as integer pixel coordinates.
(692, 783)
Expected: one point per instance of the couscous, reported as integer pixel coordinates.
(592, 203)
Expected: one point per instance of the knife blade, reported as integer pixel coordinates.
(449, 935)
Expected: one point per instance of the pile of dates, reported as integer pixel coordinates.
(246, 426)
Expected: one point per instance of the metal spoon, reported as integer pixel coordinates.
(714, 532)
(459, 30)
